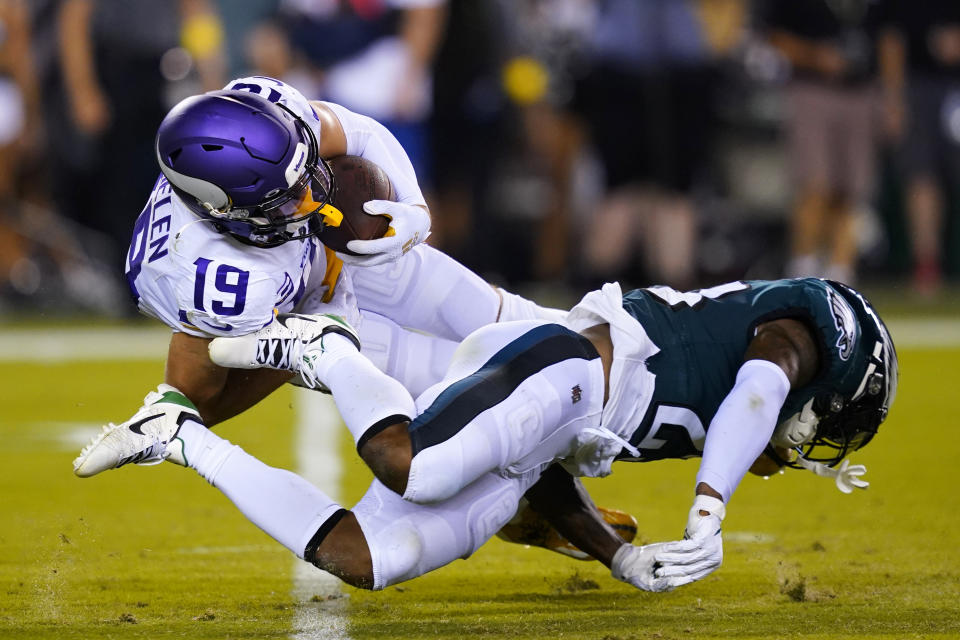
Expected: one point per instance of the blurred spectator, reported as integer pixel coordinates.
(19, 130)
(648, 101)
(270, 53)
(543, 43)
(240, 20)
(830, 127)
(105, 98)
(466, 127)
(920, 64)
(375, 57)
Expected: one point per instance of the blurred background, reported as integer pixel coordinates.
(561, 143)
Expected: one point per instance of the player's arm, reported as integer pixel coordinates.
(346, 132)
(218, 393)
(562, 500)
(343, 132)
(781, 356)
(90, 107)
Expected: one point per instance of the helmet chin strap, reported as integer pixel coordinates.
(846, 476)
(800, 429)
(178, 236)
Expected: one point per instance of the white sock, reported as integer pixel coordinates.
(336, 348)
(514, 307)
(365, 396)
(285, 506)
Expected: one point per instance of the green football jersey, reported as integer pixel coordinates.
(703, 336)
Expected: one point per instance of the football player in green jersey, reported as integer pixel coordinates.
(768, 373)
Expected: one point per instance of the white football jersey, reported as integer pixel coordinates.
(184, 272)
(280, 92)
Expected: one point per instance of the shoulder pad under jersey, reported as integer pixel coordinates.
(199, 281)
(276, 91)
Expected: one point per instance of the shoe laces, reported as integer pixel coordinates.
(292, 354)
(280, 352)
(310, 352)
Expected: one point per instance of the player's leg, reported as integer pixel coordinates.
(285, 506)
(407, 540)
(324, 351)
(382, 541)
(517, 396)
(375, 408)
(429, 291)
(416, 360)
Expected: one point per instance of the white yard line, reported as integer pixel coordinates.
(93, 344)
(925, 333)
(321, 604)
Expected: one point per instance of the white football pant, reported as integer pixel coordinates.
(517, 396)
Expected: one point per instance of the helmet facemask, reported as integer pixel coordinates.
(843, 427)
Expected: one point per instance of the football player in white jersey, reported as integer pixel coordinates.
(228, 239)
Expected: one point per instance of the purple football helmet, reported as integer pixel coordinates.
(248, 164)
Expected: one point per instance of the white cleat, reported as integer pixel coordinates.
(146, 438)
(292, 342)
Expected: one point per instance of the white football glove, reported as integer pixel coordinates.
(409, 226)
(846, 476)
(701, 550)
(636, 565)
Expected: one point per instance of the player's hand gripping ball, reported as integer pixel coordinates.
(356, 181)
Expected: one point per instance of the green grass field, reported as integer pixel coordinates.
(154, 552)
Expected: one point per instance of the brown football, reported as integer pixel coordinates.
(356, 180)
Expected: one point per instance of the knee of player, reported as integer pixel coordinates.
(361, 578)
(429, 483)
(343, 551)
(388, 453)
(437, 472)
(396, 554)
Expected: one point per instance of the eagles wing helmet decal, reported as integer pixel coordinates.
(845, 323)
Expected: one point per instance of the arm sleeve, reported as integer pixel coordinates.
(743, 425)
(369, 139)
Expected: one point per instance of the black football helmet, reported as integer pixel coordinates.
(847, 417)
